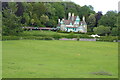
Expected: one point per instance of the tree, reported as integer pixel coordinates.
(98, 17)
(86, 11)
(102, 30)
(39, 8)
(32, 21)
(109, 19)
(91, 22)
(118, 23)
(71, 7)
(114, 31)
(11, 23)
(44, 19)
(27, 18)
(28, 8)
(51, 23)
(20, 9)
(50, 10)
(59, 10)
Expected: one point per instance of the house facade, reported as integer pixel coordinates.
(72, 24)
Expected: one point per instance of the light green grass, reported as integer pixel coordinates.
(47, 33)
(59, 59)
(42, 33)
(0, 59)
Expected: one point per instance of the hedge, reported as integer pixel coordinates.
(25, 37)
(108, 38)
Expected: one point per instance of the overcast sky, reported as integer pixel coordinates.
(99, 5)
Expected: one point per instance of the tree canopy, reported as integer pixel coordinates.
(46, 14)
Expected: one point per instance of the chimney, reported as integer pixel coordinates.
(83, 18)
(58, 20)
(72, 16)
(69, 15)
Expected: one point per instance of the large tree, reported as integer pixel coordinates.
(44, 19)
(101, 30)
(109, 19)
(71, 7)
(39, 8)
(91, 22)
(59, 10)
(86, 11)
(11, 23)
(98, 17)
(114, 31)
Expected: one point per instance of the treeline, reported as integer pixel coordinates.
(38, 14)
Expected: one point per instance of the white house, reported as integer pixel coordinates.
(73, 24)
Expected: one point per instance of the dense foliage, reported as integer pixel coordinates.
(39, 14)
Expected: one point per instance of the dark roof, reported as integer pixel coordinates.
(67, 22)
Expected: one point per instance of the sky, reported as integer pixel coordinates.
(99, 5)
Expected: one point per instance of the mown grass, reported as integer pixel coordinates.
(53, 34)
(0, 59)
(41, 33)
(59, 59)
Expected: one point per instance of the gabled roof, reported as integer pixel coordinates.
(67, 22)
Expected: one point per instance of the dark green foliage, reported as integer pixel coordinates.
(39, 14)
(109, 19)
(57, 36)
(10, 38)
(26, 38)
(36, 38)
(98, 17)
(91, 22)
(38, 8)
(108, 38)
(20, 9)
(86, 11)
(71, 7)
(114, 31)
(102, 30)
(11, 23)
(59, 10)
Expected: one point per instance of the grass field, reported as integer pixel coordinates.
(59, 59)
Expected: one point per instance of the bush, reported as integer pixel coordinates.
(62, 31)
(26, 37)
(108, 38)
(48, 38)
(57, 36)
(10, 38)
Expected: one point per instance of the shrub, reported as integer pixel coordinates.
(26, 37)
(108, 38)
(10, 37)
(57, 36)
(48, 38)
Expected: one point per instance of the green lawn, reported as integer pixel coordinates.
(59, 59)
